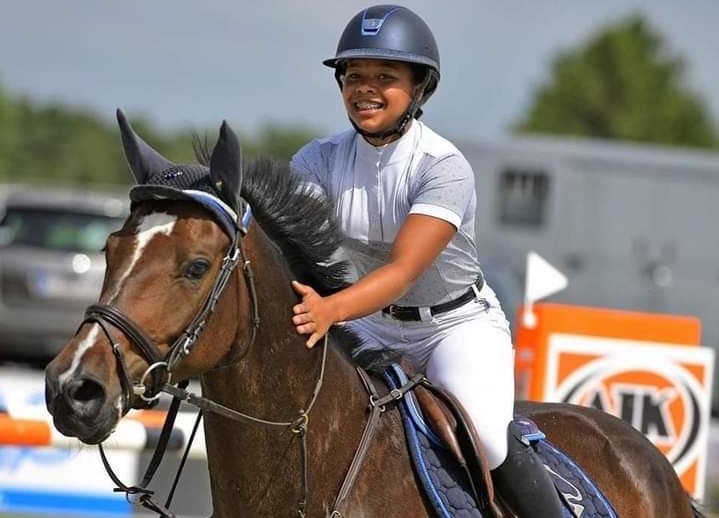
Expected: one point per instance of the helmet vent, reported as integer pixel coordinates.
(371, 26)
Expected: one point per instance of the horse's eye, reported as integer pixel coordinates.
(196, 269)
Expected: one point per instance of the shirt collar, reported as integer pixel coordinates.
(395, 151)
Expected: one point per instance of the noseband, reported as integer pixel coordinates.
(161, 366)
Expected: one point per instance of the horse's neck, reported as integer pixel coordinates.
(256, 469)
(278, 360)
(275, 381)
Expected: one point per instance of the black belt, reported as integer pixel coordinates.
(413, 312)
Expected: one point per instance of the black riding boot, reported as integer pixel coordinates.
(523, 482)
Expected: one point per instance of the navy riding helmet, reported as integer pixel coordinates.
(394, 33)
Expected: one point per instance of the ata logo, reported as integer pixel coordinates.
(660, 398)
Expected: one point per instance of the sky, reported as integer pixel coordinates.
(189, 64)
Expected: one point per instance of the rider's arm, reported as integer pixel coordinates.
(417, 244)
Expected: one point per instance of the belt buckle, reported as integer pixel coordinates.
(476, 291)
(391, 311)
(425, 313)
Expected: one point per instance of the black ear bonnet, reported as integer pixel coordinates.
(188, 182)
(216, 188)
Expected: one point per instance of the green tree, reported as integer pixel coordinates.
(622, 84)
(6, 123)
(272, 140)
(58, 144)
(281, 142)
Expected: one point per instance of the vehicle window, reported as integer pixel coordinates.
(58, 229)
(523, 197)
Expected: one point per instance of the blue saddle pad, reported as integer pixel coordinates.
(447, 485)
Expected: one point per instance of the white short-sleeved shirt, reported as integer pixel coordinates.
(375, 188)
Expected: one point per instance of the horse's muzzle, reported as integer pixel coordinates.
(79, 406)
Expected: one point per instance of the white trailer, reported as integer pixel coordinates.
(632, 226)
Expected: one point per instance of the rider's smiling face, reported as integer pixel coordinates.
(376, 93)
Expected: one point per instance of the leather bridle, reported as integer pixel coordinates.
(161, 366)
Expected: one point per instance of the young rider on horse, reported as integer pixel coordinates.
(405, 203)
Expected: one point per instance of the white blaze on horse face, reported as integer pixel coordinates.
(81, 348)
(150, 226)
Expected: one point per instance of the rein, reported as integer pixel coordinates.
(298, 426)
(106, 315)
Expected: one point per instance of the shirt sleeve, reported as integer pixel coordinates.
(308, 163)
(445, 189)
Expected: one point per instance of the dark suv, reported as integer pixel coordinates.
(51, 265)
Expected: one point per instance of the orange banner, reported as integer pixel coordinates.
(644, 368)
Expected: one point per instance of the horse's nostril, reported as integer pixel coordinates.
(85, 390)
(85, 396)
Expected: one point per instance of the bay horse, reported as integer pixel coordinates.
(173, 307)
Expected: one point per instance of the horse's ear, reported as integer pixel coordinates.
(226, 166)
(142, 159)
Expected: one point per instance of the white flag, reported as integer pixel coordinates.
(542, 280)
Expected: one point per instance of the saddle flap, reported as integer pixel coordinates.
(467, 440)
(441, 420)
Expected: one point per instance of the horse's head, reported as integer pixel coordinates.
(166, 269)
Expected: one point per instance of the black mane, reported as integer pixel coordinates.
(300, 222)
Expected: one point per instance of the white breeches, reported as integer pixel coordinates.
(467, 351)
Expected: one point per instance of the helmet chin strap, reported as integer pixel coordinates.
(413, 111)
(398, 128)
